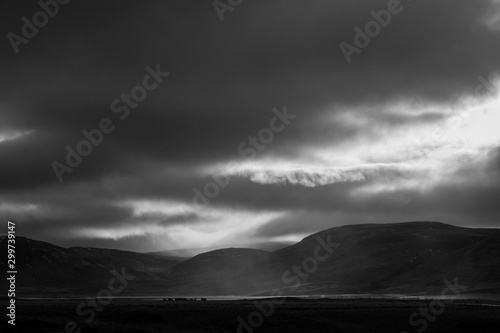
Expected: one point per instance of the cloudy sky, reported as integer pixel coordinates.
(262, 131)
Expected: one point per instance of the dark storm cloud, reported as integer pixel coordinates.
(493, 169)
(225, 80)
(237, 73)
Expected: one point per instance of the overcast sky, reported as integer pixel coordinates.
(407, 131)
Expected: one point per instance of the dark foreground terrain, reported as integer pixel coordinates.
(294, 315)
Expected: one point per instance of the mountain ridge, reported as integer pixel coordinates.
(401, 258)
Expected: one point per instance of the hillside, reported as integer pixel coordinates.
(403, 258)
(412, 258)
(46, 268)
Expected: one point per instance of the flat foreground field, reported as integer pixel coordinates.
(294, 315)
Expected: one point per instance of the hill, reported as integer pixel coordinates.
(413, 258)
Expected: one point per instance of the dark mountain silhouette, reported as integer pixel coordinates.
(412, 258)
(189, 253)
(46, 268)
(407, 258)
